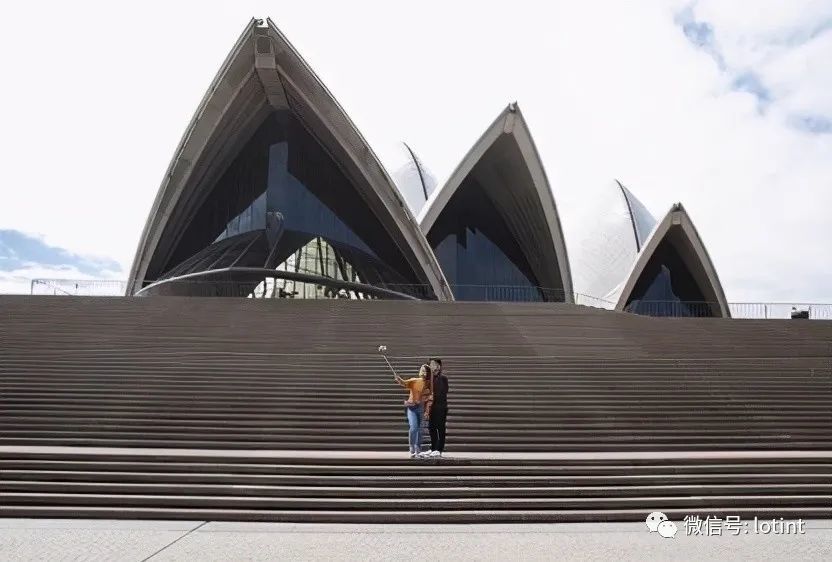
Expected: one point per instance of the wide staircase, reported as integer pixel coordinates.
(284, 410)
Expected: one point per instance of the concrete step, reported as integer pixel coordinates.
(395, 424)
(10, 499)
(563, 446)
(513, 479)
(427, 490)
(408, 516)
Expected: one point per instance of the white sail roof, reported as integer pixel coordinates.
(507, 165)
(613, 235)
(262, 73)
(414, 180)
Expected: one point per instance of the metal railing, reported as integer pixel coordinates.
(779, 310)
(265, 286)
(739, 310)
(676, 309)
(487, 293)
(79, 287)
(506, 293)
(283, 284)
(594, 302)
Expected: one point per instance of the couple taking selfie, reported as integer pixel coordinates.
(428, 400)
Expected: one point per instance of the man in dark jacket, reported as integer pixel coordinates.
(439, 410)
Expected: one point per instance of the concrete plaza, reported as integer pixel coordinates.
(111, 541)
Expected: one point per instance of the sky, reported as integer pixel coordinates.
(723, 105)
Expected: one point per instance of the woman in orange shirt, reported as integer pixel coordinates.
(415, 407)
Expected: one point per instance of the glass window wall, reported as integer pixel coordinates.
(480, 257)
(284, 187)
(667, 287)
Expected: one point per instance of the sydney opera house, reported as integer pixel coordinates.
(274, 193)
(278, 405)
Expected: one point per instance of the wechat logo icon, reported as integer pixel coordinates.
(657, 522)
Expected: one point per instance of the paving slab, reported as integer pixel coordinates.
(111, 541)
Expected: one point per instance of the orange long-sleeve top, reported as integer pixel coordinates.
(416, 386)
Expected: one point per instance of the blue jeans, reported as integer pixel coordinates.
(414, 420)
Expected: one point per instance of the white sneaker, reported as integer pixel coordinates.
(435, 453)
(413, 455)
(423, 454)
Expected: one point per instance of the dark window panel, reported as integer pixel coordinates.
(667, 287)
(285, 186)
(478, 254)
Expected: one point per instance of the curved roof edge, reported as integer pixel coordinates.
(424, 177)
(703, 269)
(509, 121)
(413, 179)
(282, 80)
(641, 219)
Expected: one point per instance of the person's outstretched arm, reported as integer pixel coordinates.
(407, 383)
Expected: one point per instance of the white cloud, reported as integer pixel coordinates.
(610, 89)
(768, 21)
(787, 44)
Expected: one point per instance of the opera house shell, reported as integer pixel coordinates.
(494, 225)
(274, 193)
(413, 179)
(631, 262)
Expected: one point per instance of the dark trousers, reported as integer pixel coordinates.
(436, 425)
